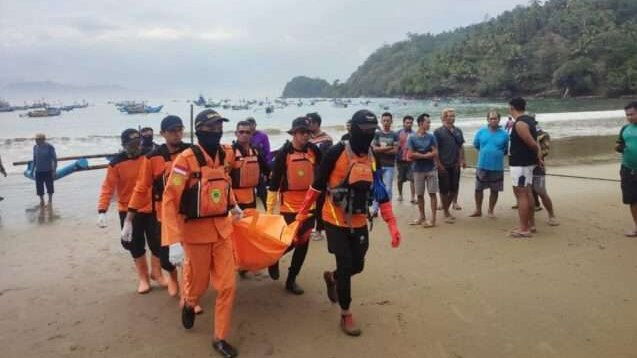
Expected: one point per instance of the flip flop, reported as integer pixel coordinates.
(427, 224)
(631, 233)
(554, 222)
(417, 222)
(450, 220)
(520, 234)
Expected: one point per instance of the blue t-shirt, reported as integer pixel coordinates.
(493, 147)
(44, 157)
(421, 144)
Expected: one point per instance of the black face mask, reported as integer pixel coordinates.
(147, 141)
(360, 140)
(209, 141)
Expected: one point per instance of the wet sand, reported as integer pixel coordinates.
(461, 290)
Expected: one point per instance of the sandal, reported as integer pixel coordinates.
(632, 233)
(520, 234)
(417, 222)
(554, 222)
(427, 224)
(450, 220)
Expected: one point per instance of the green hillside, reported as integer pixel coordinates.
(555, 48)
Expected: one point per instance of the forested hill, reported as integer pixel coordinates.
(554, 48)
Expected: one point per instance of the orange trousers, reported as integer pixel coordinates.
(211, 260)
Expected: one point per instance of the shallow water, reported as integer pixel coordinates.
(96, 129)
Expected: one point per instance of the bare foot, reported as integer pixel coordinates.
(476, 214)
(159, 278)
(198, 309)
(172, 284)
(144, 287)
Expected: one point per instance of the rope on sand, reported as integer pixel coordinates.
(569, 176)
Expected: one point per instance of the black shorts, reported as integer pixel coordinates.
(629, 185)
(344, 241)
(449, 181)
(404, 172)
(146, 230)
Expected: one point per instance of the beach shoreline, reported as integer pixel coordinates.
(455, 290)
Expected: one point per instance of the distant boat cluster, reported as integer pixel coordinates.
(40, 109)
(131, 107)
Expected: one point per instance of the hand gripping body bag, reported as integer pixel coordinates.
(261, 239)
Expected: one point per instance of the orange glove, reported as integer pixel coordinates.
(310, 197)
(388, 215)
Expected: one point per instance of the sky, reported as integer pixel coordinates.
(220, 48)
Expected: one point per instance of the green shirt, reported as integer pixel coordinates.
(630, 147)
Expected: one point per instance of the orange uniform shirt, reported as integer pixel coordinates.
(154, 165)
(121, 176)
(197, 231)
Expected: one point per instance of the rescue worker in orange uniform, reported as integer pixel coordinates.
(149, 189)
(346, 174)
(196, 204)
(121, 176)
(249, 167)
(292, 174)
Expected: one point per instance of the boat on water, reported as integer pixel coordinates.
(46, 112)
(139, 108)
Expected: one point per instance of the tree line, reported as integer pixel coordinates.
(556, 48)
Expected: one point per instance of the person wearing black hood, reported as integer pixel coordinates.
(148, 136)
(346, 174)
(196, 204)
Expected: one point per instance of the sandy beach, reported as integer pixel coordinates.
(461, 290)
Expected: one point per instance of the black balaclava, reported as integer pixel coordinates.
(360, 139)
(209, 141)
(147, 141)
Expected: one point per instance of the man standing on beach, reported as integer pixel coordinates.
(293, 170)
(386, 146)
(261, 142)
(323, 141)
(249, 167)
(539, 178)
(45, 164)
(423, 152)
(148, 190)
(492, 143)
(196, 224)
(403, 161)
(524, 155)
(451, 158)
(346, 174)
(627, 145)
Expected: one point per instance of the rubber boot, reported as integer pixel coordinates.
(155, 271)
(291, 286)
(273, 271)
(142, 273)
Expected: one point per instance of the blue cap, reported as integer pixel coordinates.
(171, 122)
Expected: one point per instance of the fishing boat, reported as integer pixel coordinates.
(46, 112)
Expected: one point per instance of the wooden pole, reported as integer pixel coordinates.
(74, 157)
(192, 133)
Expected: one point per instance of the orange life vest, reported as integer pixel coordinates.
(349, 189)
(245, 172)
(209, 195)
(300, 170)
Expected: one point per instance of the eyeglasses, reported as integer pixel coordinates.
(244, 132)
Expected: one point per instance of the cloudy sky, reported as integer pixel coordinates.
(230, 48)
